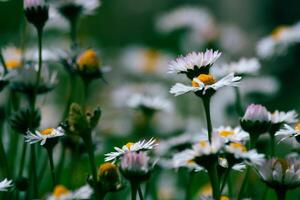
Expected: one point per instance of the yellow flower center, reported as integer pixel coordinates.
(13, 64)
(129, 145)
(60, 190)
(204, 78)
(203, 143)
(224, 198)
(239, 146)
(225, 133)
(297, 127)
(191, 162)
(206, 190)
(47, 131)
(107, 166)
(88, 60)
(277, 32)
(151, 58)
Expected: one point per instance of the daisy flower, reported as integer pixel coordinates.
(279, 40)
(239, 151)
(149, 102)
(194, 62)
(283, 117)
(12, 57)
(5, 185)
(242, 67)
(288, 131)
(280, 173)
(43, 135)
(77, 7)
(205, 82)
(232, 134)
(131, 147)
(62, 193)
(145, 61)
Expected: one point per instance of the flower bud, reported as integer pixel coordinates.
(36, 12)
(109, 177)
(256, 120)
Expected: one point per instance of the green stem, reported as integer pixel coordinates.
(3, 62)
(238, 102)
(134, 189)
(61, 162)
(22, 162)
(281, 194)
(272, 144)
(3, 159)
(225, 178)
(244, 184)
(33, 171)
(140, 192)
(214, 180)
(89, 146)
(189, 183)
(206, 104)
(51, 163)
(73, 32)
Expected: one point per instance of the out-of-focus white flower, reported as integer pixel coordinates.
(280, 39)
(205, 82)
(83, 6)
(242, 67)
(142, 60)
(280, 173)
(62, 193)
(5, 185)
(42, 136)
(130, 146)
(28, 4)
(287, 131)
(56, 21)
(239, 151)
(199, 22)
(193, 61)
(12, 57)
(232, 134)
(149, 102)
(283, 117)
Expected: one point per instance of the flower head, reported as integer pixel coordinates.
(288, 131)
(149, 103)
(194, 63)
(232, 134)
(37, 12)
(136, 166)
(205, 84)
(43, 135)
(5, 185)
(256, 119)
(280, 173)
(60, 192)
(109, 177)
(242, 67)
(131, 147)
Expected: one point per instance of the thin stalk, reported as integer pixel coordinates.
(214, 180)
(3, 62)
(272, 144)
(22, 161)
(33, 171)
(225, 178)
(281, 194)
(188, 193)
(3, 159)
(244, 184)
(51, 163)
(133, 190)
(206, 104)
(89, 146)
(73, 32)
(140, 192)
(61, 162)
(229, 182)
(40, 63)
(238, 102)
